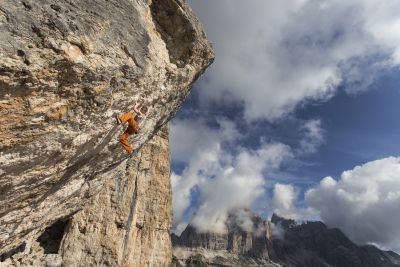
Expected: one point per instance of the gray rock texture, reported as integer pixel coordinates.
(66, 68)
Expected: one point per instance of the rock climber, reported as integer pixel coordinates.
(133, 124)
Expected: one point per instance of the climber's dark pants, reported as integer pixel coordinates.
(133, 128)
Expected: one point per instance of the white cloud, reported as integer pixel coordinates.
(236, 185)
(273, 55)
(277, 231)
(227, 176)
(313, 136)
(243, 218)
(226, 180)
(364, 203)
(284, 200)
(193, 134)
(199, 147)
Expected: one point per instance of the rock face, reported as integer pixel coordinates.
(128, 223)
(66, 68)
(283, 243)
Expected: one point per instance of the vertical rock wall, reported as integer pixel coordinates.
(128, 223)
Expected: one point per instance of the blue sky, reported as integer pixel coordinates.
(359, 128)
(300, 90)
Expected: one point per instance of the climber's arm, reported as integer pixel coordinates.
(137, 107)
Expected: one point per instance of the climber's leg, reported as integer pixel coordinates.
(124, 141)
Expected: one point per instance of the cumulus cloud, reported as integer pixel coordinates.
(235, 185)
(273, 55)
(364, 203)
(284, 200)
(200, 148)
(226, 179)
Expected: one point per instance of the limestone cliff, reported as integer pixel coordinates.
(128, 223)
(66, 68)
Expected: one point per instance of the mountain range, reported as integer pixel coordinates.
(275, 242)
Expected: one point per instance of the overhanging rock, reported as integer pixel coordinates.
(66, 68)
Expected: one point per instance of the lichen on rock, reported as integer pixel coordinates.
(66, 68)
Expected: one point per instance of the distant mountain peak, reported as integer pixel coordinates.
(280, 242)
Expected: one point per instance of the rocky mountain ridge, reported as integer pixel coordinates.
(282, 242)
(315, 244)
